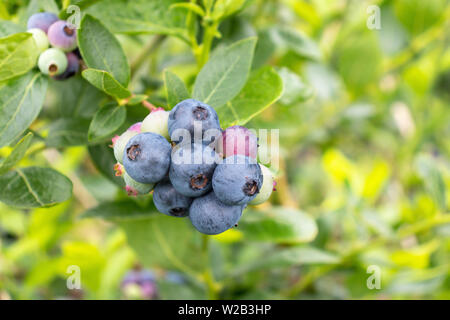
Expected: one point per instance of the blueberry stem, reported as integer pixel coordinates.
(151, 46)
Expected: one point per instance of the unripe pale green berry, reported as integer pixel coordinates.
(266, 188)
(134, 188)
(40, 38)
(121, 142)
(156, 122)
(52, 62)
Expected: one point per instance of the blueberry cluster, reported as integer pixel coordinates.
(205, 173)
(62, 60)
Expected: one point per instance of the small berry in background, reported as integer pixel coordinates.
(73, 65)
(40, 38)
(52, 62)
(139, 284)
(61, 35)
(41, 20)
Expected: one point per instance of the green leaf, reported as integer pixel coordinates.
(101, 50)
(351, 53)
(432, 178)
(295, 89)
(159, 240)
(16, 154)
(279, 225)
(136, 99)
(120, 211)
(225, 8)
(189, 6)
(106, 121)
(141, 16)
(34, 187)
(7, 28)
(297, 42)
(103, 158)
(262, 89)
(18, 55)
(21, 101)
(166, 242)
(417, 15)
(224, 75)
(106, 82)
(66, 132)
(75, 97)
(176, 90)
(290, 257)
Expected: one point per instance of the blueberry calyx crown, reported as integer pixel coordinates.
(199, 181)
(53, 68)
(200, 113)
(178, 212)
(250, 187)
(134, 151)
(68, 31)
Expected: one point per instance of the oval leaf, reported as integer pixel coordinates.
(141, 16)
(7, 28)
(103, 158)
(106, 121)
(16, 154)
(224, 75)
(106, 82)
(120, 211)
(101, 50)
(176, 90)
(166, 242)
(66, 132)
(279, 225)
(21, 101)
(262, 89)
(18, 55)
(34, 187)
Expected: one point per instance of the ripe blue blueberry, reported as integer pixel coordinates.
(72, 66)
(52, 62)
(192, 168)
(237, 180)
(146, 157)
(195, 120)
(168, 201)
(41, 20)
(211, 216)
(61, 35)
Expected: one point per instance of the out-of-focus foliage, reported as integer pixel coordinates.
(364, 173)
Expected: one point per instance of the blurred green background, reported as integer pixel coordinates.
(363, 179)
